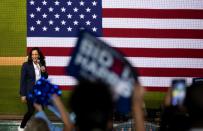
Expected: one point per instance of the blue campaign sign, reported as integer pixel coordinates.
(93, 60)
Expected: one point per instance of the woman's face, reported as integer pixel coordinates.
(35, 56)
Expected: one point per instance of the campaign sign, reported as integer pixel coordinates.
(93, 60)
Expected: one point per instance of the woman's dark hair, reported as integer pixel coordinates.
(41, 56)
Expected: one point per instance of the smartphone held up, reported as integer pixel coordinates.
(178, 92)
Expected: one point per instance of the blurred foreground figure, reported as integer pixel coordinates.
(194, 105)
(189, 116)
(37, 124)
(93, 106)
(42, 123)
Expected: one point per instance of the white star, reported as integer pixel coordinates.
(57, 16)
(94, 29)
(57, 29)
(63, 9)
(69, 2)
(82, 3)
(63, 22)
(94, 3)
(69, 16)
(38, 22)
(94, 16)
(82, 16)
(51, 22)
(32, 2)
(56, 3)
(88, 22)
(75, 22)
(38, 9)
(44, 2)
(69, 29)
(51, 9)
(75, 9)
(88, 9)
(44, 15)
(32, 15)
(44, 28)
(32, 28)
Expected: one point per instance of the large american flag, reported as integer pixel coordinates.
(162, 38)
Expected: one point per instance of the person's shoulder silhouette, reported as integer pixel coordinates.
(194, 104)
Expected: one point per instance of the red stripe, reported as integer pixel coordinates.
(156, 89)
(153, 33)
(56, 70)
(66, 87)
(162, 52)
(155, 72)
(55, 51)
(149, 89)
(171, 72)
(133, 52)
(152, 13)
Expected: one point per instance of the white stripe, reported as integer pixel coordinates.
(62, 80)
(51, 42)
(161, 81)
(155, 43)
(153, 4)
(152, 23)
(166, 62)
(119, 42)
(57, 61)
(145, 81)
(141, 62)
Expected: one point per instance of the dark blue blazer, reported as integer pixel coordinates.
(27, 79)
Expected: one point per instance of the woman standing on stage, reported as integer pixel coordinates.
(31, 71)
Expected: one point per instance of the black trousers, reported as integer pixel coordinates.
(28, 114)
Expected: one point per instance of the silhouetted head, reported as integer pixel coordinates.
(37, 124)
(93, 106)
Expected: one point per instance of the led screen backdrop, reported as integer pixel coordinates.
(163, 38)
